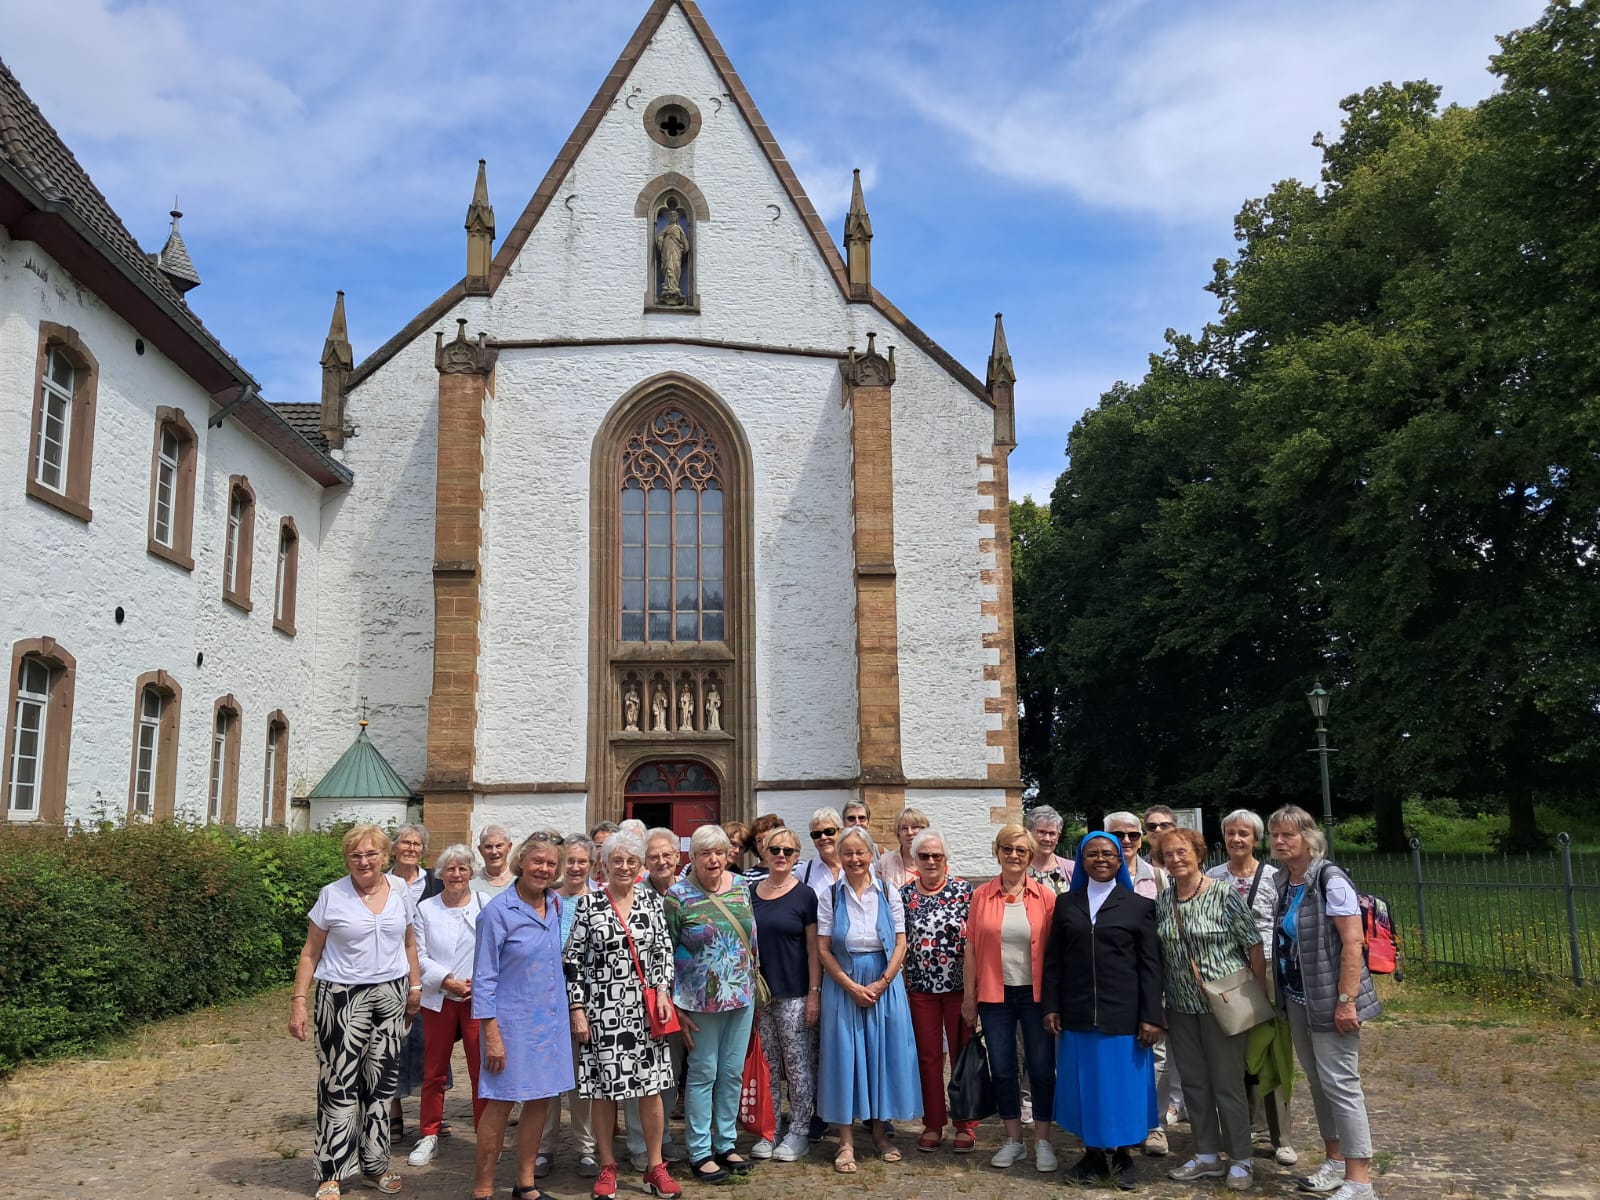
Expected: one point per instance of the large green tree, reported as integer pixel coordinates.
(1380, 466)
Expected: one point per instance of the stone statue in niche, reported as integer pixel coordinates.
(672, 250)
(630, 711)
(713, 709)
(685, 709)
(658, 712)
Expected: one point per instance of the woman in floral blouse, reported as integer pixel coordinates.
(936, 905)
(713, 929)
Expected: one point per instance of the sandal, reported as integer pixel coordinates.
(966, 1141)
(844, 1162)
(930, 1140)
(330, 1190)
(388, 1183)
(531, 1192)
(444, 1129)
(717, 1174)
(736, 1164)
(887, 1152)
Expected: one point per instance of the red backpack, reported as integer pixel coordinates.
(1379, 947)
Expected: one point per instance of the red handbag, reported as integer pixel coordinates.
(659, 1028)
(755, 1093)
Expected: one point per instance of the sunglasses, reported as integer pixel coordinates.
(783, 851)
(1013, 850)
(1129, 835)
(930, 858)
(818, 834)
(1157, 826)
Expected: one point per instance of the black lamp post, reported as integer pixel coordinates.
(1318, 699)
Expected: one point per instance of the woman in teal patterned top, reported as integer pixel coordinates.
(1222, 936)
(714, 989)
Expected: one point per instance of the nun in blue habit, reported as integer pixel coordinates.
(1102, 993)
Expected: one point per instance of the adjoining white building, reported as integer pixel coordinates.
(662, 510)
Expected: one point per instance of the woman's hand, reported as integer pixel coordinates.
(813, 1009)
(689, 1028)
(494, 1051)
(863, 995)
(1344, 1017)
(969, 1011)
(1052, 1022)
(461, 989)
(1149, 1035)
(413, 1002)
(297, 1018)
(663, 1006)
(580, 1025)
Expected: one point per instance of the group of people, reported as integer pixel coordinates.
(604, 971)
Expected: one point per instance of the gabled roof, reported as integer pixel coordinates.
(545, 194)
(47, 197)
(361, 774)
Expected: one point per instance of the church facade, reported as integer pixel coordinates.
(663, 510)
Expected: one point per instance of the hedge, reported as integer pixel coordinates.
(101, 930)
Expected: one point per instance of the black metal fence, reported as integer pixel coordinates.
(1530, 914)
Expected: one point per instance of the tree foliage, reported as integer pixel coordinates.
(1379, 465)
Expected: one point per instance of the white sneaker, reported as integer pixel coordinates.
(1353, 1191)
(1027, 1112)
(762, 1149)
(424, 1151)
(1010, 1153)
(1325, 1179)
(1175, 1113)
(793, 1148)
(1044, 1156)
(1287, 1156)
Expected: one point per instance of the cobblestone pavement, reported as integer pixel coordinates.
(220, 1104)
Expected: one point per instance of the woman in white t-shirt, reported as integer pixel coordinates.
(361, 951)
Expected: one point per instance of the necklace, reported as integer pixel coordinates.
(1182, 899)
(1013, 897)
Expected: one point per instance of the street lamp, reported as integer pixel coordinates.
(1318, 699)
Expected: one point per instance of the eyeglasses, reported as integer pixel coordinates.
(1008, 850)
(925, 857)
(818, 834)
(1157, 826)
(783, 851)
(1129, 835)
(547, 836)
(367, 857)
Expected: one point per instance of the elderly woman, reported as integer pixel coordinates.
(936, 904)
(361, 950)
(714, 964)
(1206, 931)
(899, 866)
(1256, 883)
(417, 884)
(619, 947)
(1324, 987)
(576, 882)
(517, 992)
(786, 942)
(1048, 867)
(1102, 994)
(738, 842)
(819, 873)
(494, 847)
(446, 929)
(1003, 977)
(865, 1073)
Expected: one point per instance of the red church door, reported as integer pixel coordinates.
(680, 796)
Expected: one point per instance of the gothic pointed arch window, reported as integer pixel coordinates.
(673, 536)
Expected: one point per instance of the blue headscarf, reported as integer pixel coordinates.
(1080, 877)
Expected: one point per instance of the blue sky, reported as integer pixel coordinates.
(1076, 163)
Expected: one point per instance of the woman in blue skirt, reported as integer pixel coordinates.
(867, 1069)
(1102, 994)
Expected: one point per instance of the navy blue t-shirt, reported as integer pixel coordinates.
(781, 938)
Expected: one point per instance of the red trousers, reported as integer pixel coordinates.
(935, 1021)
(440, 1031)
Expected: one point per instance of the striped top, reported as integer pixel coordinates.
(1220, 929)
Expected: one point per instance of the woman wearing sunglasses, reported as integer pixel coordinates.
(822, 872)
(786, 942)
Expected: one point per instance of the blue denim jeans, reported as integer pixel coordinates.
(713, 1080)
(1019, 1010)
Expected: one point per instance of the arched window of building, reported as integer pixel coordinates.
(172, 472)
(62, 444)
(38, 732)
(238, 548)
(288, 577)
(275, 775)
(222, 792)
(152, 783)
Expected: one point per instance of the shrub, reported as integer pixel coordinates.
(104, 928)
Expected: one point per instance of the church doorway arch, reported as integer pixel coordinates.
(679, 795)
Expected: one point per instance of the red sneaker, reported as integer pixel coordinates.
(658, 1181)
(605, 1184)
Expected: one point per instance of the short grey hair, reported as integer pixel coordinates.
(632, 825)
(460, 852)
(709, 837)
(1305, 823)
(413, 827)
(922, 839)
(1243, 816)
(827, 816)
(1042, 815)
(604, 827)
(493, 831)
(661, 831)
(577, 841)
(624, 841)
(859, 833)
(1121, 818)
(862, 805)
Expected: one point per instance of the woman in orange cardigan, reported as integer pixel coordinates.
(1007, 926)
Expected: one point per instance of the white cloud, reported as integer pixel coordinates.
(1188, 110)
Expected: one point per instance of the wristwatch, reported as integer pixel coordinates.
(1344, 999)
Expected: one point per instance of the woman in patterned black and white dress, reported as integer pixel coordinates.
(618, 1059)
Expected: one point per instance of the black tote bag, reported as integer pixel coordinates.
(971, 1089)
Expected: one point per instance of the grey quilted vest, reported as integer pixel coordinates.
(1320, 948)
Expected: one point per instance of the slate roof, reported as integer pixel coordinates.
(306, 420)
(361, 774)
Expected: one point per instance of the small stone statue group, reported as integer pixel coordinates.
(659, 706)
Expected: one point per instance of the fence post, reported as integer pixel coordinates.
(1422, 913)
(1564, 840)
